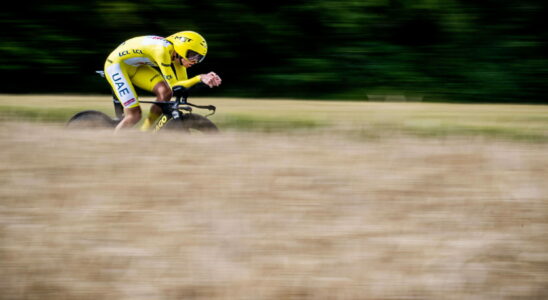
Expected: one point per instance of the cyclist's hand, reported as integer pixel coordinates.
(211, 79)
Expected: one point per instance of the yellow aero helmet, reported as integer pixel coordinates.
(189, 44)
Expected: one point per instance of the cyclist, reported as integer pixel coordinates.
(135, 62)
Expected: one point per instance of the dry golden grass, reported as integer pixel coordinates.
(314, 215)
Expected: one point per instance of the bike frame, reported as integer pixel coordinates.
(170, 109)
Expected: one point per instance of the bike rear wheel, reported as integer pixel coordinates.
(192, 123)
(90, 119)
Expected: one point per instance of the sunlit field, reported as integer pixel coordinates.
(293, 200)
(363, 119)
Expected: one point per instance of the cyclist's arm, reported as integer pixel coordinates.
(176, 75)
(189, 82)
(210, 79)
(182, 78)
(167, 71)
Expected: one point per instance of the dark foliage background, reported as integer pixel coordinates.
(444, 50)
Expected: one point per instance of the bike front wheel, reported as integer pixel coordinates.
(191, 123)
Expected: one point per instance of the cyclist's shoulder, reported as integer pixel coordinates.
(152, 41)
(147, 41)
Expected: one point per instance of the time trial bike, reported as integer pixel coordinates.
(176, 115)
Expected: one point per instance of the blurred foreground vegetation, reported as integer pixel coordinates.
(487, 51)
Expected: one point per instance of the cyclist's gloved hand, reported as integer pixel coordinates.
(179, 91)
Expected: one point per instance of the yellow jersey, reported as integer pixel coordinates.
(153, 51)
(134, 62)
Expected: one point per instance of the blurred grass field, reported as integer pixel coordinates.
(365, 119)
(294, 200)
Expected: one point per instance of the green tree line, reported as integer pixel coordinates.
(441, 50)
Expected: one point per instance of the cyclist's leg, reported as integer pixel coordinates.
(119, 79)
(147, 78)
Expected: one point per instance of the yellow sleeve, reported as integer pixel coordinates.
(189, 82)
(176, 75)
(164, 63)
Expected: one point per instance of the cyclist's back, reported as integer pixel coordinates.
(143, 50)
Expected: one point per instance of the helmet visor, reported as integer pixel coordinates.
(194, 56)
